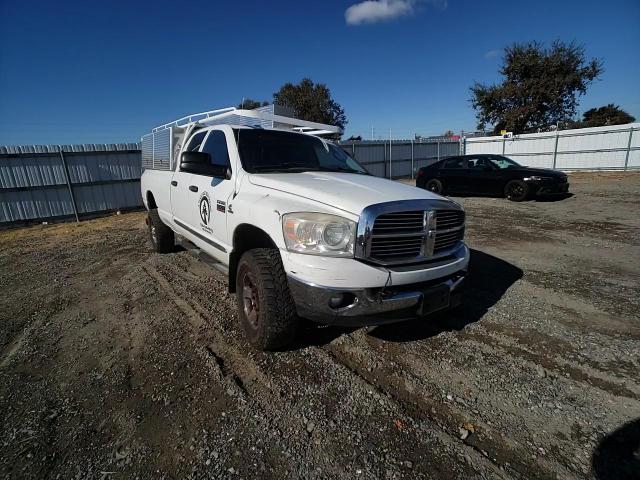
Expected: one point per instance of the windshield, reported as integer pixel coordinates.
(503, 162)
(272, 151)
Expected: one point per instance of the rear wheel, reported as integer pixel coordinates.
(516, 190)
(162, 237)
(434, 186)
(265, 307)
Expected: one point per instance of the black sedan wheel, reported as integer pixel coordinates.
(434, 186)
(516, 190)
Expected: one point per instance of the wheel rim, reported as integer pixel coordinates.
(516, 190)
(250, 299)
(433, 187)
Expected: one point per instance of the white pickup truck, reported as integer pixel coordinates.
(297, 225)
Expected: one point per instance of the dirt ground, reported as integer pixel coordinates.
(116, 362)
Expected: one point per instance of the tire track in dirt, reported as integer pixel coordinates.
(233, 363)
(506, 454)
(559, 367)
(12, 348)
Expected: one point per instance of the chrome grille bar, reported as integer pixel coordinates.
(409, 231)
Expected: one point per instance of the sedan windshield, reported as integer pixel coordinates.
(503, 162)
(272, 151)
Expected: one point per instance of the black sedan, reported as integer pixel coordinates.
(490, 175)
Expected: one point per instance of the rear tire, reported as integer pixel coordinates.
(434, 186)
(266, 309)
(162, 237)
(516, 190)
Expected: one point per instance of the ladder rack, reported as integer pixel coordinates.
(260, 117)
(161, 147)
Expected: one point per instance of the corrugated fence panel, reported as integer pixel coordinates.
(607, 148)
(101, 167)
(33, 204)
(105, 197)
(33, 182)
(374, 156)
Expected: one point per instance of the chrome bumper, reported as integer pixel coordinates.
(375, 306)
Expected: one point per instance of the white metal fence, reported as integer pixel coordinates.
(599, 148)
(399, 158)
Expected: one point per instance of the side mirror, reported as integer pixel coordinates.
(200, 164)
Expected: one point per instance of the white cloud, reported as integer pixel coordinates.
(372, 11)
(492, 54)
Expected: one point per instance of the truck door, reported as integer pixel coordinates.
(180, 194)
(209, 198)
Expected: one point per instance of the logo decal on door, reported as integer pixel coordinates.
(204, 205)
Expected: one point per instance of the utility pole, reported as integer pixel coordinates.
(372, 129)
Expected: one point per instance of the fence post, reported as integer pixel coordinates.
(389, 157)
(386, 167)
(68, 179)
(412, 166)
(626, 158)
(555, 149)
(353, 150)
(438, 150)
(504, 140)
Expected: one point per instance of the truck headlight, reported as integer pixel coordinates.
(319, 234)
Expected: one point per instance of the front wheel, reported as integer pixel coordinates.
(516, 190)
(266, 309)
(434, 186)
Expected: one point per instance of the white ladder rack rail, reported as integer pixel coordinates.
(216, 116)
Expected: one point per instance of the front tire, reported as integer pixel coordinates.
(266, 309)
(516, 190)
(434, 186)
(162, 237)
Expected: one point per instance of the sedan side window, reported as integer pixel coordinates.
(479, 163)
(216, 146)
(455, 163)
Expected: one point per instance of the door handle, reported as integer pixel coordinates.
(174, 183)
(193, 188)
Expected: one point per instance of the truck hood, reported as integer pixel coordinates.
(346, 191)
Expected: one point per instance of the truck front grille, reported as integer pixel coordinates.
(397, 235)
(449, 229)
(415, 235)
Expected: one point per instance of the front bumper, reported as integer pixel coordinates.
(376, 306)
(550, 188)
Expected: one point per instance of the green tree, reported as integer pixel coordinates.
(249, 104)
(540, 87)
(311, 102)
(608, 115)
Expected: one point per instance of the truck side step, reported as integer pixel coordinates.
(202, 256)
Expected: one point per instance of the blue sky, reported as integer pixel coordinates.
(88, 71)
